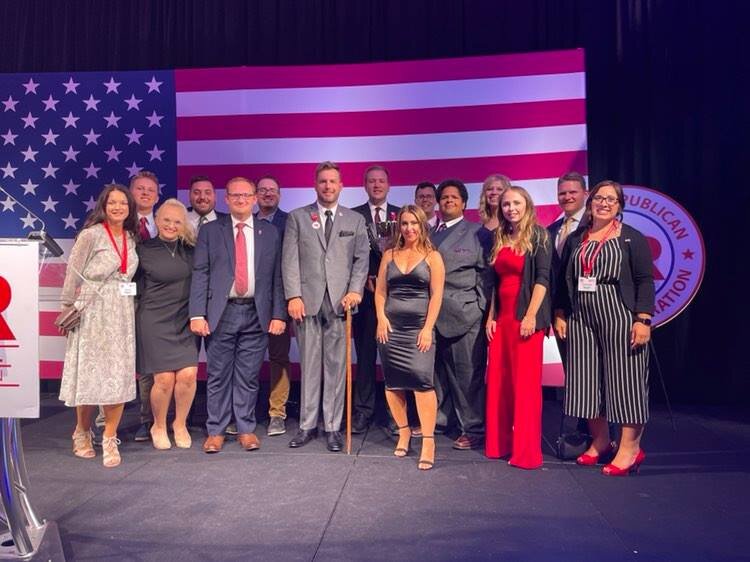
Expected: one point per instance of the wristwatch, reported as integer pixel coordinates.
(645, 321)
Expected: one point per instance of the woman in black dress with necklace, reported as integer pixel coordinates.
(408, 296)
(164, 344)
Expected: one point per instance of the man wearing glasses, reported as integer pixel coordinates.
(425, 197)
(269, 196)
(236, 299)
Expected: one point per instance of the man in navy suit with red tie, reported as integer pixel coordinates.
(236, 300)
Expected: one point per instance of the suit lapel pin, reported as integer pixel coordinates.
(315, 220)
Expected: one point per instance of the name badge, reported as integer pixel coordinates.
(127, 289)
(587, 284)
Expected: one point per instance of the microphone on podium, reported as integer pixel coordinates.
(52, 247)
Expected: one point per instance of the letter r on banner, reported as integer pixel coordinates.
(5, 332)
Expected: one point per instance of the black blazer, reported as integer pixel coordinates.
(536, 270)
(636, 282)
(557, 262)
(375, 255)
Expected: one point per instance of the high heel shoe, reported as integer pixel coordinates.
(111, 454)
(401, 452)
(160, 439)
(83, 444)
(612, 470)
(423, 463)
(182, 438)
(591, 460)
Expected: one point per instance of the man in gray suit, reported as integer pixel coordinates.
(461, 356)
(324, 265)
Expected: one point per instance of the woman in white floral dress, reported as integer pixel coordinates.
(100, 354)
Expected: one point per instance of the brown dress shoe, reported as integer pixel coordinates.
(213, 444)
(249, 441)
(467, 442)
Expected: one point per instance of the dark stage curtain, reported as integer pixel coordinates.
(666, 101)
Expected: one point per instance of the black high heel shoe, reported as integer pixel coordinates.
(423, 463)
(402, 452)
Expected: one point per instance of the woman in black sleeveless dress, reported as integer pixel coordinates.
(164, 344)
(407, 300)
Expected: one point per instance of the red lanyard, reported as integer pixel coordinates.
(124, 255)
(588, 267)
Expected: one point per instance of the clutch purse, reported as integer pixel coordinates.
(69, 319)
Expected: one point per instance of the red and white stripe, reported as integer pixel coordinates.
(519, 115)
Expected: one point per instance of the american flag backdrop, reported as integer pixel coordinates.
(65, 135)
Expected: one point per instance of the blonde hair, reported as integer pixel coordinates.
(187, 234)
(485, 213)
(423, 244)
(529, 232)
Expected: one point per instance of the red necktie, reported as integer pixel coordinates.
(143, 229)
(378, 220)
(240, 261)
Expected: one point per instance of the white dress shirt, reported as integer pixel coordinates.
(450, 223)
(574, 224)
(150, 224)
(322, 214)
(250, 246)
(433, 222)
(195, 218)
(383, 211)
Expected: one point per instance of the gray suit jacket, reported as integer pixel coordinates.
(310, 266)
(464, 296)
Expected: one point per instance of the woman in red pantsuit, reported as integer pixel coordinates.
(519, 315)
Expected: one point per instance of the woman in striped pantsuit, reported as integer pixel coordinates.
(604, 309)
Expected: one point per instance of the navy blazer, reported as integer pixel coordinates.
(213, 272)
(636, 282)
(279, 221)
(375, 255)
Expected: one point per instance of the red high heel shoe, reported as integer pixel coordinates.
(591, 460)
(612, 470)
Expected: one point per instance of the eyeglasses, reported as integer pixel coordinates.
(609, 200)
(237, 196)
(267, 191)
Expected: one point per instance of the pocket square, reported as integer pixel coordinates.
(346, 233)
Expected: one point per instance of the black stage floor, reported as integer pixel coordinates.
(691, 500)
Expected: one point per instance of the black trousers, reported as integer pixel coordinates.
(460, 365)
(365, 324)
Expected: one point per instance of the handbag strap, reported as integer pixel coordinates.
(97, 290)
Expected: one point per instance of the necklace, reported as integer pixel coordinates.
(172, 252)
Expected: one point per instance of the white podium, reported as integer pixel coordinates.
(19, 393)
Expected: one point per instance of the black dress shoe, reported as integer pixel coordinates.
(303, 437)
(143, 433)
(335, 441)
(359, 423)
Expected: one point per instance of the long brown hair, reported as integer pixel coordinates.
(423, 244)
(99, 214)
(528, 232)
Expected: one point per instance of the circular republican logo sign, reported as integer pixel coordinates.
(676, 244)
